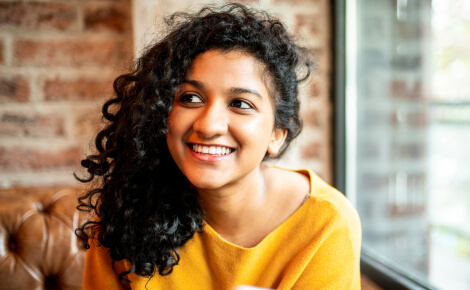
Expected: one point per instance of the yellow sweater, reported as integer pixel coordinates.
(318, 247)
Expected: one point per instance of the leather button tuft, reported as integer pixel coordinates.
(43, 208)
(12, 244)
(40, 206)
(51, 283)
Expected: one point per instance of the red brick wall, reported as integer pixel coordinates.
(58, 60)
(57, 63)
(315, 145)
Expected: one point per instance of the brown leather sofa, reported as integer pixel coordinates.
(38, 247)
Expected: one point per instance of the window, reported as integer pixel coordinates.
(406, 90)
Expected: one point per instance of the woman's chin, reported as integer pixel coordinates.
(206, 184)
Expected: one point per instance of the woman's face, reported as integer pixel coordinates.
(222, 121)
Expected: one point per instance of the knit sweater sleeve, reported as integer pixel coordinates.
(335, 263)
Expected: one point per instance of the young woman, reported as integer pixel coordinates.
(184, 200)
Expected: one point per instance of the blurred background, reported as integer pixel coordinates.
(386, 112)
(408, 133)
(58, 60)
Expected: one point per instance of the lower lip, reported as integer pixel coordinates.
(209, 158)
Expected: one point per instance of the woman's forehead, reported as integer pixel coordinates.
(247, 61)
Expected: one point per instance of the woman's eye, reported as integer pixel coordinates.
(190, 98)
(241, 104)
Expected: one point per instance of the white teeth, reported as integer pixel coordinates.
(213, 150)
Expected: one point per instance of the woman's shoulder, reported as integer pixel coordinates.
(325, 193)
(290, 187)
(332, 208)
(324, 199)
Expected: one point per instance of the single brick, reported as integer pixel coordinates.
(417, 119)
(15, 89)
(107, 18)
(88, 124)
(72, 90)
(28, 158)
(70, 52)
(312, 118)
(409, 30)
(308, 25)
(1, 52)
(400, 89)
(315, 90)
(35, 125)
(311, 151)
(41, 16)
(411, 151)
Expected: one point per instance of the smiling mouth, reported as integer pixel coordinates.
(211, 150)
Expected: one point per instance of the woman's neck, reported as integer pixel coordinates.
(247, 212)
(237, 209)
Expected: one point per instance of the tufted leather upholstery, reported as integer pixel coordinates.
(38, 247)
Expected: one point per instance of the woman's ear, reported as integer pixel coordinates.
(277, 139)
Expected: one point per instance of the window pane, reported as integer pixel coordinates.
(411, 123)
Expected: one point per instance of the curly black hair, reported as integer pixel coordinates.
(145, 207)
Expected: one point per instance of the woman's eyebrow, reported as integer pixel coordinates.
(234, 90)
(238, 91)
(194, 83)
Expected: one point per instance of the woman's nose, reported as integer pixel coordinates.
(212, 121)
